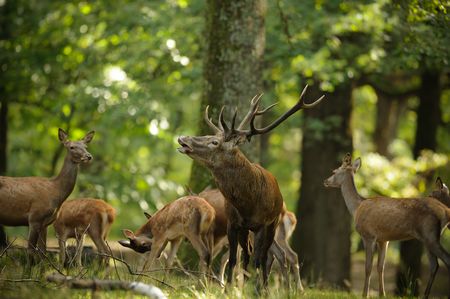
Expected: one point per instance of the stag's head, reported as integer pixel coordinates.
(77, 149)
(226, 139)
(343, 172)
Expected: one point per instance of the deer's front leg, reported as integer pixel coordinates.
(232, 233)
(369, 244)
(243, 241)
(157, 248)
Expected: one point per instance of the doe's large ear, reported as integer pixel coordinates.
(356, 165)
(129, 234)
(86, 139)
(439, 183)
(62, 135)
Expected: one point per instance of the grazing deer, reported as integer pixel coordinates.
(441, 192)
(34, 201)
(382, 219)
(253, 198)
(190, 216)
(283, 233)
(80, 216)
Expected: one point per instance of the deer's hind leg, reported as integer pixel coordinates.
(382, 248)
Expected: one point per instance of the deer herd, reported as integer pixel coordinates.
(246, 209)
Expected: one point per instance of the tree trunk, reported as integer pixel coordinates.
(4, 35)
(322, 239)
(389, 111)
(235, 37)
(428, 117)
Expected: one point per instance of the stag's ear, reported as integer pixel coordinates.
(240, 139)
(62, 135)
(86, 139)
(129, 234)
(125, 243)
(439, 183)
(356, 165)
(147, 215)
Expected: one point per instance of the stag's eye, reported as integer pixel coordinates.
(72, 147)
(214, 142)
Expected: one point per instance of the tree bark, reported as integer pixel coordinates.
(322, 239)
(389, 111)
(235, 35)
(428, 118)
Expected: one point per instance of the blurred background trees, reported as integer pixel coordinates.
(140, 73)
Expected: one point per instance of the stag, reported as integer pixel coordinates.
(253, 198)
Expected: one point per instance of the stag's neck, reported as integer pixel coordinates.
(234, 167)
(351, 195)
(65, 180)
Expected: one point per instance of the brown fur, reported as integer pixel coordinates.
(382, 219)
(190, 216)
(34, 201)
(80, 216)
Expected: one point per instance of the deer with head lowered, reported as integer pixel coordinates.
(34, 201)
(190, 216)
(382, 219)
(441, 192)
(253, 198)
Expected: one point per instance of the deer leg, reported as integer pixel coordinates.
(436, 249)
(382, 248)
(79, 249)
(33, 236)
(62, 250)
(434, 265)
(232, 234)
(243, 241)
(174, 245)
(42, 240)
(202, 250)
(369, 244)
(223, 264)
(276, 251)
(268, 241)
(292, 259)
(157, 248)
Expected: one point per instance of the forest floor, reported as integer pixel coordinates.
(17, 282)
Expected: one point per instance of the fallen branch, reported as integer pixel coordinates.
(107, 285)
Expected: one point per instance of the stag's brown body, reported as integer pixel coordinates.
(382, 219)
(253, 198)
(84, 216)
(190, 216)
(34, 201)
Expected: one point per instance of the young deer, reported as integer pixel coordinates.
(80, 216)
(283, 233)
(34, 201)
(253, 198)
(190, 216)
(441, 192)
(382, 219)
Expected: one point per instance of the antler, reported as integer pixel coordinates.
(300, 105)
(209, 121)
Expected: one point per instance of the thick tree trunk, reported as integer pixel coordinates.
(428, 117)
(235, 36)
(389, 111)
(322, 239)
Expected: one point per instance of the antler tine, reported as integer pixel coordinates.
(254, 104)
(209, 121)
(307, 106)
(300, 105)
(222, 125)
(260, 112)
(233, 121)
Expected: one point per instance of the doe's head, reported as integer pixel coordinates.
(344, 171)
(77, 149)
(139, 244)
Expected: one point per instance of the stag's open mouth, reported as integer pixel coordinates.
(185, 148)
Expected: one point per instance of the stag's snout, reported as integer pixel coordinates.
(185, 148)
